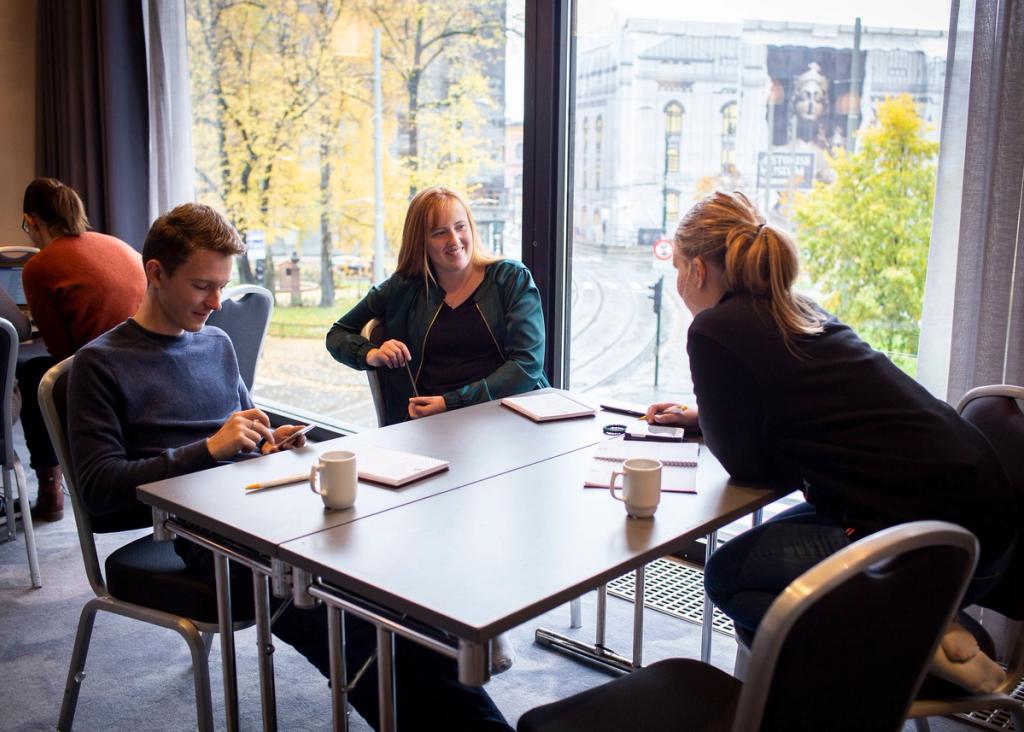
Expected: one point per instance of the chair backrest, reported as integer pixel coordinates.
(847, 644)
(245, 316)
(996, 411)
(373, 331)
(53, 401)
(8, 363)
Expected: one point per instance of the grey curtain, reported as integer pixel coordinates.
(985, 304)
(171, 179)
(92, 109)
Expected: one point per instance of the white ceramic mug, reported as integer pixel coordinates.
(338, 478)
(641, 486)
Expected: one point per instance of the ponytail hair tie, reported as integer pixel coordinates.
(760, 227)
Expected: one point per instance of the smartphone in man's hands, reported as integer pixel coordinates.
(291, 439)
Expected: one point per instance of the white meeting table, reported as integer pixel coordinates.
(451, 561)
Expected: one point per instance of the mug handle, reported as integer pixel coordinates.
(312, 481)
(611, 485)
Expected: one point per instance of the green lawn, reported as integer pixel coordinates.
(307, 322)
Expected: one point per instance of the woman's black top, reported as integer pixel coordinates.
(459, 350)
(868, 445)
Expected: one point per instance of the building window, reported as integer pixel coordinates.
(671, 209)
(730, 121)
(583, 167)
(672, 156)
(598, 135)
(673, 118)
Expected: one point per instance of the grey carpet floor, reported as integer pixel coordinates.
(138, 676)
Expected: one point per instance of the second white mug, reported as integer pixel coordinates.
(641, 486)
(338, 479)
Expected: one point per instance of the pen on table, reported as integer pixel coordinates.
(277, 481)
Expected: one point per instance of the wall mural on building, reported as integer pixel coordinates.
(813, 107)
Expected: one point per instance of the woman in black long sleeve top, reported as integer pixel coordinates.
(787, 394)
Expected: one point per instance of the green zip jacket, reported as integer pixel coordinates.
(511, 309)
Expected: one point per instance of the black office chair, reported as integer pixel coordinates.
(144, 579)
(245, 316)
(11, 462)
(845, 647)
(373, 331)
(996, 411)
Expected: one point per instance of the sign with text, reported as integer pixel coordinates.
(783, 169)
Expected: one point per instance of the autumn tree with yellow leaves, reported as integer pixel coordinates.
(865, 237)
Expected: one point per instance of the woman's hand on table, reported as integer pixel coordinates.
(672, 414)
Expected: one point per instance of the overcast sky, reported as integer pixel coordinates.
(925, 14)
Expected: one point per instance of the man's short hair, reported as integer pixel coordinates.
(186, 228)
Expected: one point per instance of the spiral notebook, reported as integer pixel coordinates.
(678, 460)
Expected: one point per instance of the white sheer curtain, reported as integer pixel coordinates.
(171, 179)
(973, 323)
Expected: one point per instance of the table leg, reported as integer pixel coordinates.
(595, 654)
(707, 626)
(227, 640)
(638, 616)
(265, 650)
(339, 670)
(386, 679)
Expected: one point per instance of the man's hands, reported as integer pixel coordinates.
(243, 431)
(392, 354)
(672, 414)
(425, 406)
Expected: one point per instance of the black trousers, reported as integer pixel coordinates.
(29, 374)
(428, 694)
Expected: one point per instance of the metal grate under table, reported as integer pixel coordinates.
(997, 719)
(674, 588)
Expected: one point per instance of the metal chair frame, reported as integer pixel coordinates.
(1001, 698)
(197, 635)
(11, 462)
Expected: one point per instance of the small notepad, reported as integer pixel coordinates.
(393, 467)
(548, 407)
(678, 460)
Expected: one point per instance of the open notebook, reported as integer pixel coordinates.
(394, 467)
(678, 460)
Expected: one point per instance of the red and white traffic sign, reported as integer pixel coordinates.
(663, 249)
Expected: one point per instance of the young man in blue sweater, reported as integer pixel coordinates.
(160, 395)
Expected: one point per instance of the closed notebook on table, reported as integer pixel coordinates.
(548, 407)
(678, 461)
(393, 467)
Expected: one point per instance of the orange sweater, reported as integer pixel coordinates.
(79, 287)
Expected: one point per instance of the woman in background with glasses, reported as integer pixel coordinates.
(80, 285)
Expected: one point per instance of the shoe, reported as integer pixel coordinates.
(50, 504)
(503, 654)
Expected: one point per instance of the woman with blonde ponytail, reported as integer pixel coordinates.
(788, 395)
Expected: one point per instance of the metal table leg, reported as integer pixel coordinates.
(227, 640)
(638, 617)
(386, 679)
(595, 654)
(707, 624)
(265, 652)
(339, 671)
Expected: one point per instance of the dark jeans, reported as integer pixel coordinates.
(29, 374)
(746, 574)
(429, 696)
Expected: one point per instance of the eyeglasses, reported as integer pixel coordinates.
(24, 224)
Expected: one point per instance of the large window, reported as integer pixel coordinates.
(775, 101)
(288, 145)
